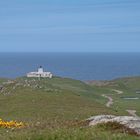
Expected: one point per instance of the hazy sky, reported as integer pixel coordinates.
(70, 25)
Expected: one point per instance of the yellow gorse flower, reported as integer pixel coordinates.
(11, 124)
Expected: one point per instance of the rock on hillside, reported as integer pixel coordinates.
(130, 122)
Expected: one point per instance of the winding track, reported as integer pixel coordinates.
(110, 100)
(131, 112)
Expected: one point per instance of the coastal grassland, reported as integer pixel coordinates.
(32, 99)
(130, 88)
(71, 133)
(55, 109)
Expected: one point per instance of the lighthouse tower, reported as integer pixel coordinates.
(40, 70)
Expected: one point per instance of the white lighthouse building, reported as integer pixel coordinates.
(40, 73)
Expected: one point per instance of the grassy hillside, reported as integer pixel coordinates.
(130, 88)
(54, 109)
(46, 98)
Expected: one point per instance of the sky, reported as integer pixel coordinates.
(70, 26)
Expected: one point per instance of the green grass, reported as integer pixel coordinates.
(72, 133)
(51, 106)
(129, 86)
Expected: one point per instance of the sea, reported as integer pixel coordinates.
(80, 66)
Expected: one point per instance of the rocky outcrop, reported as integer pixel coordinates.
(130, 122)
(132, 112)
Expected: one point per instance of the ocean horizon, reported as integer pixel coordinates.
(80, 66)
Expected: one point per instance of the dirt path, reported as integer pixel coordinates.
(117, 91)
(110, 100)
(132, 113)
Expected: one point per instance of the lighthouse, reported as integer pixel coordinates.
(40, 73)
(40, 70)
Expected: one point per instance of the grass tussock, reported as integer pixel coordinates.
(116, 127)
